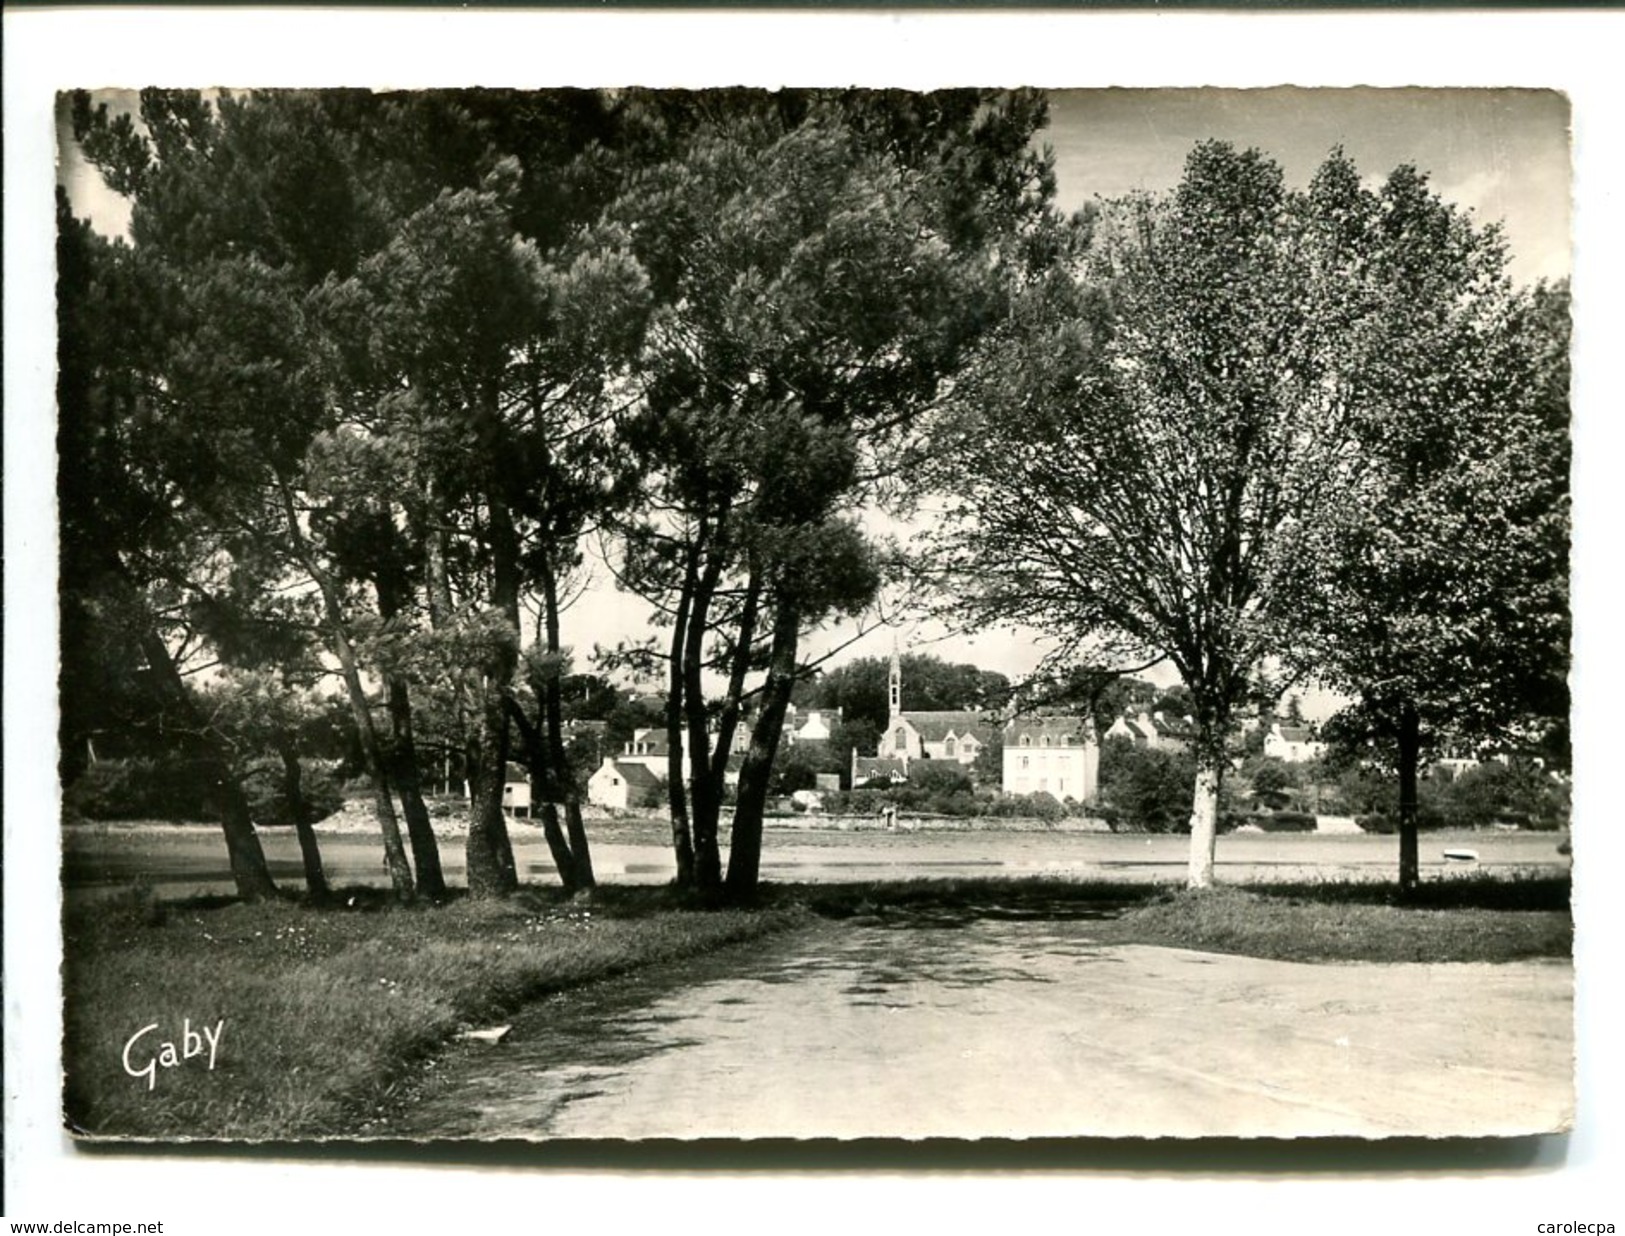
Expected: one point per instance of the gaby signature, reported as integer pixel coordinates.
(163, 1054)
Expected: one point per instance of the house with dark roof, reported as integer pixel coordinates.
(867, 769)
(648, 748)
(1155, 731)
(1056, 755)
(622, 784)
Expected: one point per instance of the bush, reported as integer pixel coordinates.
(944, 777)
(1286, 822)
(155, 788)
(857, 802)
(264, 784)
(1040, 806)
(1149, 791)
(960, 803)
(1518, 792)
(1273, 783)
(1376, 823)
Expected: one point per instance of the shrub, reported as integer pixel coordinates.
(153, 788)
(938, 777)
(1150, 791)
(1376, 823)
(1518, 792)
(264, 783)
(1273, 783)
(1041, 806)
(959, 802)
(857, 802)
(1286, 822)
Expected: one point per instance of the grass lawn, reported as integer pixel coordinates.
(1467, 918)
(1328, 924)
(327, 1011)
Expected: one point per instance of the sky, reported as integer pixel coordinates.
(1501, 153)
(1504, 154)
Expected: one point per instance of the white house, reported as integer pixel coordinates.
(516, 796)
(1154, 731)
(814, 728)
(648, 749)
(1052, 755)
(867, 769)
(620, 784)
(1293, 744)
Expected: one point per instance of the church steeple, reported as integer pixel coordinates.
(895, 686)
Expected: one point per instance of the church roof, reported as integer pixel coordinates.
(935, 726)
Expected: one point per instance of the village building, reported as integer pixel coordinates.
(872, 769)
(644, 762)
(648, 749)
(814, 727)
(957, 736)
(1052, 755)
(1155, 731)
(622, 784)
(516, 790)
(1293, 744)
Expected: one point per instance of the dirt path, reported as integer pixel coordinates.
(1018, 1029)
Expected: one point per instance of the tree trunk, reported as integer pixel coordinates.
(490, 852)
(745, 849)
(243, 850)
(558, 762)
(1204, 822)
(576, 827)
(1410, 758)
(682, 839)
(409, 784)
(543, 797)
(728, 719)
(400, 872)
(557, 845)
(309, 852)
(706, 805)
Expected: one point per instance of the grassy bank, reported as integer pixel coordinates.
(1492, 919)
(1328, 925)
(326, 1010)
(327, 1013)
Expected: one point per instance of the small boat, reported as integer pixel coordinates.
(1461, 856)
